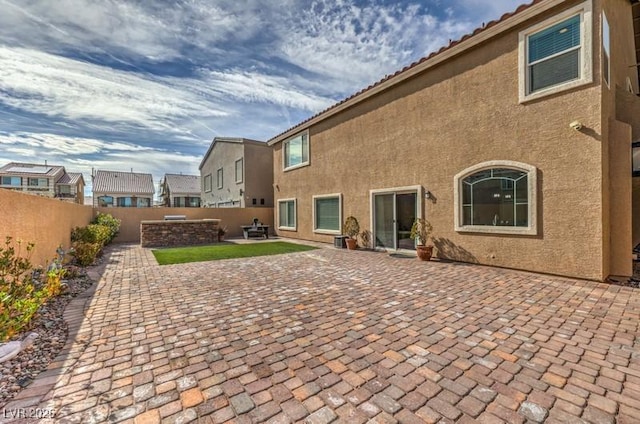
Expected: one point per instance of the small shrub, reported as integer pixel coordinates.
(85, 252)
(88, 241)
(113, 224)
(20, 296)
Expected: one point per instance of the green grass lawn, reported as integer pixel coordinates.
(181, 255)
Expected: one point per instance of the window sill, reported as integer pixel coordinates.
(488, 229)
(328, 232)
(300, 165)
(288, 228)
(524, 98)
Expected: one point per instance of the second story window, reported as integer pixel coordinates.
(555, 55)
(296, 151)
(239, 170)
(207, 183)
(220, 182)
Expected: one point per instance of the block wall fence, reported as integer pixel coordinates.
(48, 222)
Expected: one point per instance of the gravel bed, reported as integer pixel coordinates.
(19, 372)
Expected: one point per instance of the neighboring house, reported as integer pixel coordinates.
(44, 180)
(514, 142)
(122, 189)
(180, 191)
(237, 172)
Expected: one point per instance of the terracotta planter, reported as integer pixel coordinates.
(424, 252)
(352, 244)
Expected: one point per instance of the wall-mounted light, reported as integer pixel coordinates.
(241, 192)
(428, 195)
(576, 125)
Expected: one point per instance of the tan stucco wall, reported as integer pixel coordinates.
(232, 218)
(223, 155)
(44, 221)
(258, 174)
(459, 114)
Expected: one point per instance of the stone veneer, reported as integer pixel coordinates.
(178, 233)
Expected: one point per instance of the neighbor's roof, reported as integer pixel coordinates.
(183, 184)
(71, 178)
(123, 182)
(31, 169)
(229, 140)
(479, 35)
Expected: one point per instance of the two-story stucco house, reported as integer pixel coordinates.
(514, 142)
(237, 172)
(122, 189)
(44, 180)
(180, 191)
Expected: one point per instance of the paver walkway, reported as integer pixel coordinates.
(338, 336)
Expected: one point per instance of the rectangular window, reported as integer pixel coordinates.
(635, 152)
(287, 214)
(219, 177)
(327, 213)
(12, 181)
(262, 201)
(178, 202)
(555, 55)
(296, 151)
(194, 202)
(606, 50)
(64, 189)
(207, 183)
(254, 201)
(124, 202)
(143, 202)
(39, 182)
(239, 170)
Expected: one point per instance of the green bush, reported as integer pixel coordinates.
(88, 241)
(85, 253)
(92, 233)
(110, 222)
(20, 294)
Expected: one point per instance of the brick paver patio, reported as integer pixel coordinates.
(338, 336)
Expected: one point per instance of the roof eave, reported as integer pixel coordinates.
(444, 54)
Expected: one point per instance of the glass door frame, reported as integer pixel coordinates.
(417, 189)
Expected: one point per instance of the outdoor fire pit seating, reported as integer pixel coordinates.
(256, 230)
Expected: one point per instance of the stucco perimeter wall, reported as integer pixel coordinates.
(46, 222)
(457, 115)
(231, 218)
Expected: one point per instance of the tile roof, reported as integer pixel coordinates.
(389, 78)
(183, 184)
(123, 182)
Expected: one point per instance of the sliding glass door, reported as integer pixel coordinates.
(394, 214)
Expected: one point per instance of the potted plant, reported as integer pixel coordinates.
(421, 231)
(221, 232)
(351, 229)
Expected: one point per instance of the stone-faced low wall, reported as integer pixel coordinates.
(178, 233)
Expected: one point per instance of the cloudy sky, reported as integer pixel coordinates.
(147, 84)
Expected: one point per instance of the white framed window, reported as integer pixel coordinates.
(207, 183)
(287, 214)
(219, 177)
(606, 50)
(327, 214)
(239, 170)
(296, 151)
(555, 55)
(496, 197)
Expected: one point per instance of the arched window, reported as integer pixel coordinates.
(496, 197)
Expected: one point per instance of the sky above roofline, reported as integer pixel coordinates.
(123, 84)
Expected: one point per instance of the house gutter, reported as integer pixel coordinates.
(448, 54)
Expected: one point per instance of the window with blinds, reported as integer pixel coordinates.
(554, 55)
(327, 213)
(287, 214)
